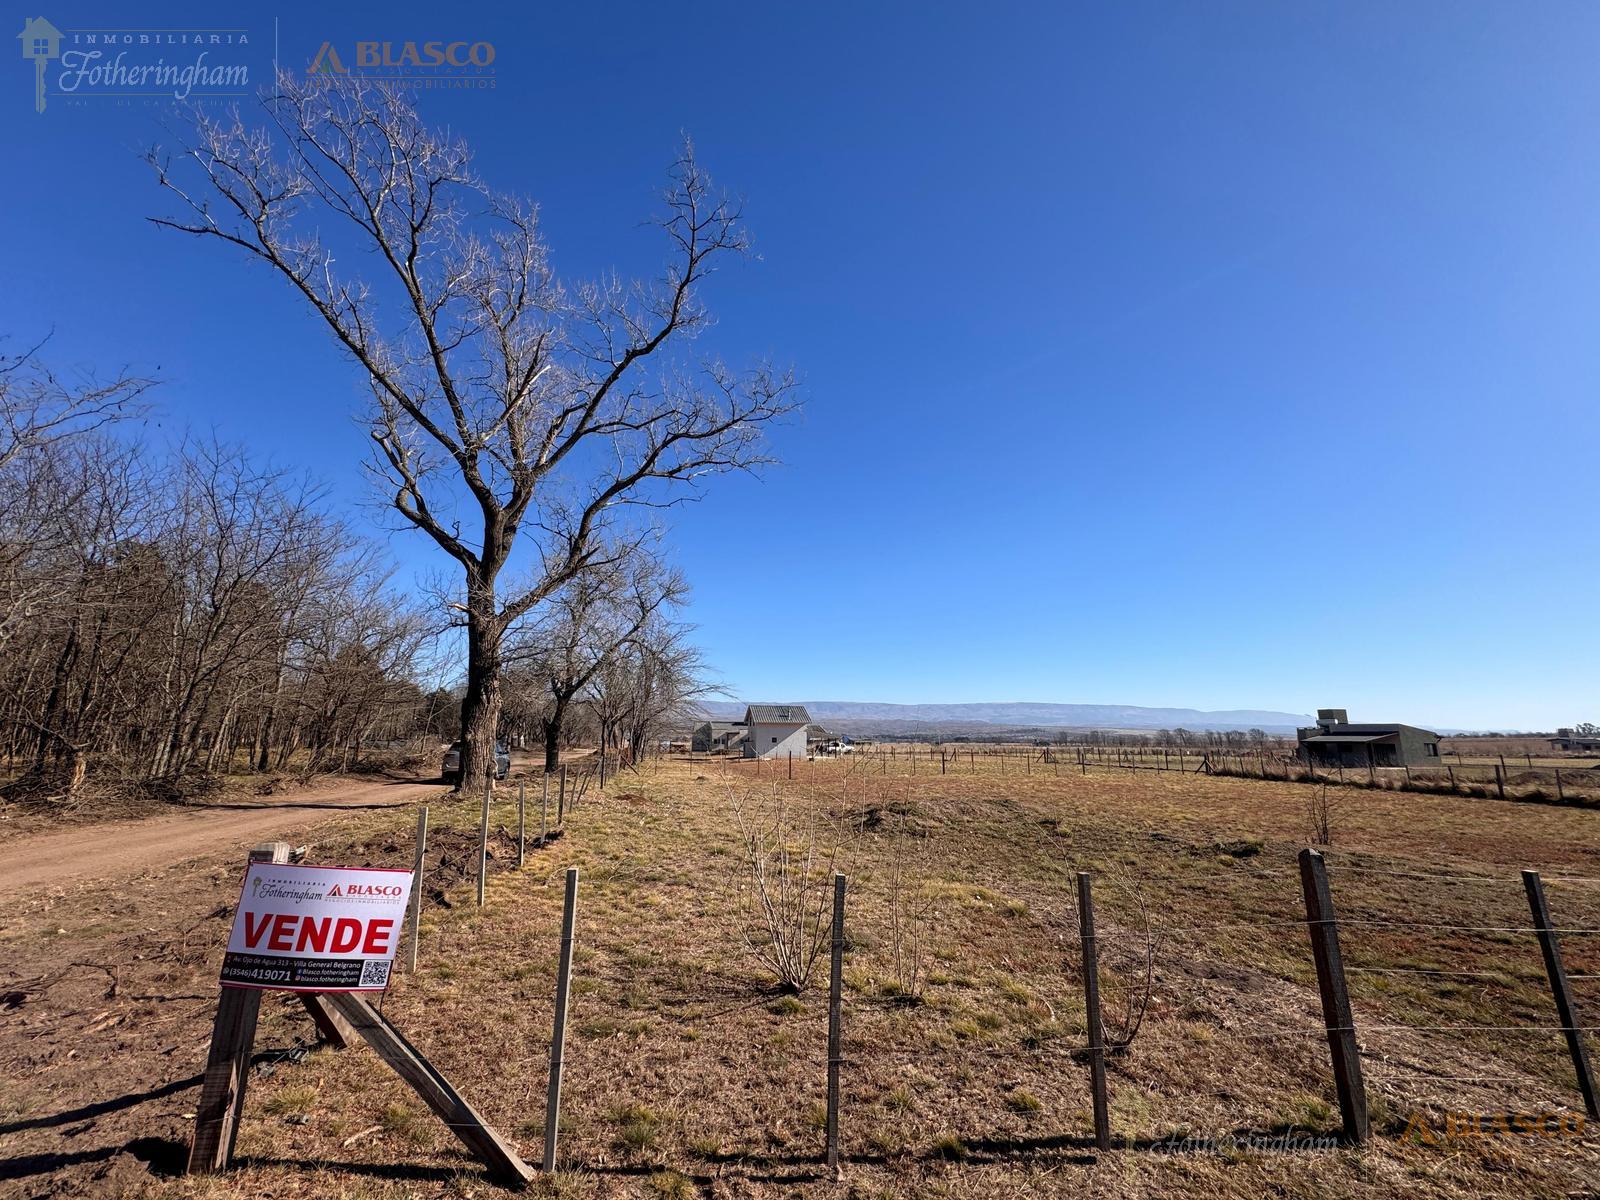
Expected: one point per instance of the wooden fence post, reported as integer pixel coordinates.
(483, 841)
(561, 798)
(1091, 999)
(216, 1121)
(1557, 972)
(1336, 1015)
(416, 885)
(835, 1033)
(1500, 781)
(544, 809)
(558, 1036)
(233, 1035)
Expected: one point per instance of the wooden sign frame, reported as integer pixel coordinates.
(341, 1018)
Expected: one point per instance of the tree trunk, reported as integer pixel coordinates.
(480, 707)
(553, 726)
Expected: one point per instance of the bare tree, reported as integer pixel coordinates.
(506, 408)
(37, 407)
(585, 626)
(654, 678)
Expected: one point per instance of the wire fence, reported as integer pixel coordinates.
(1577, 783)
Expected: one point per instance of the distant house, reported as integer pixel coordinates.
(1334, 742)
(1566, 739)
(712, 736)
(775, 730)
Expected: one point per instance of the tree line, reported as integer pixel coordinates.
(180, 610)
(189, 611)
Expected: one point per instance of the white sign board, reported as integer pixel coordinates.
(316, 929)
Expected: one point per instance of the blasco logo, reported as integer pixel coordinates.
(363, 889)
(1459, 1127)
(425, 64)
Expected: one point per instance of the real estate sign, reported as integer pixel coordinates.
(316, 929)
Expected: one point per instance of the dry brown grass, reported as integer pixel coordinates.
(687, 1073)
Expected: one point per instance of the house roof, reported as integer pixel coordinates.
(778, 714)
(717, 727)
(1343, 739)
(1369, 731)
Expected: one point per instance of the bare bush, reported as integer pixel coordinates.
(1127, 953)
(911, 919)
(789, 859)
(1319, 809)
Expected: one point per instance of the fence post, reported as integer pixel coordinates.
(1336, 1016)
(1557, 972)
(1500, 781)
(561, 798)
(1560, 795)
(558, 1036)
(544, 809)
(522, 821)
(416, 885)
(483, 841)
(835, 1033)
(227, 1073)
(1091, 1000)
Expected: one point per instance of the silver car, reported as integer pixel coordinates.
(451, 768)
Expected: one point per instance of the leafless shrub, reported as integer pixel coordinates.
(789, 859)
(1319, 808)
(911, 918)
(1127, 953)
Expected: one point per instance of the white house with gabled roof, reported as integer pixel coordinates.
(775, 730)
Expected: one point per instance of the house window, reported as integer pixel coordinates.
(774, 741)
(41, 47)
(1432, 748)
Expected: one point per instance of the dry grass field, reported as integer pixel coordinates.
(689, 1074)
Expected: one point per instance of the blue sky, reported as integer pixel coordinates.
(1217, 354)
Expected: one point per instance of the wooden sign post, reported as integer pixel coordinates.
(341, 1016)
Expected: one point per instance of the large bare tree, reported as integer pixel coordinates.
(508, 410)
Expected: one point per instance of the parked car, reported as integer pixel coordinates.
(450, 769)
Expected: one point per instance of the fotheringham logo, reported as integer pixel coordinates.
(177, 64)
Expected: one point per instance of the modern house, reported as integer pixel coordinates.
(1334, 742)
(1567, 739)
(775, 730)
(713, 736)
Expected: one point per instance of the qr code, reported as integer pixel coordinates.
(374, 973)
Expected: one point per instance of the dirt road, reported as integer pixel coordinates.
(119, 849)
